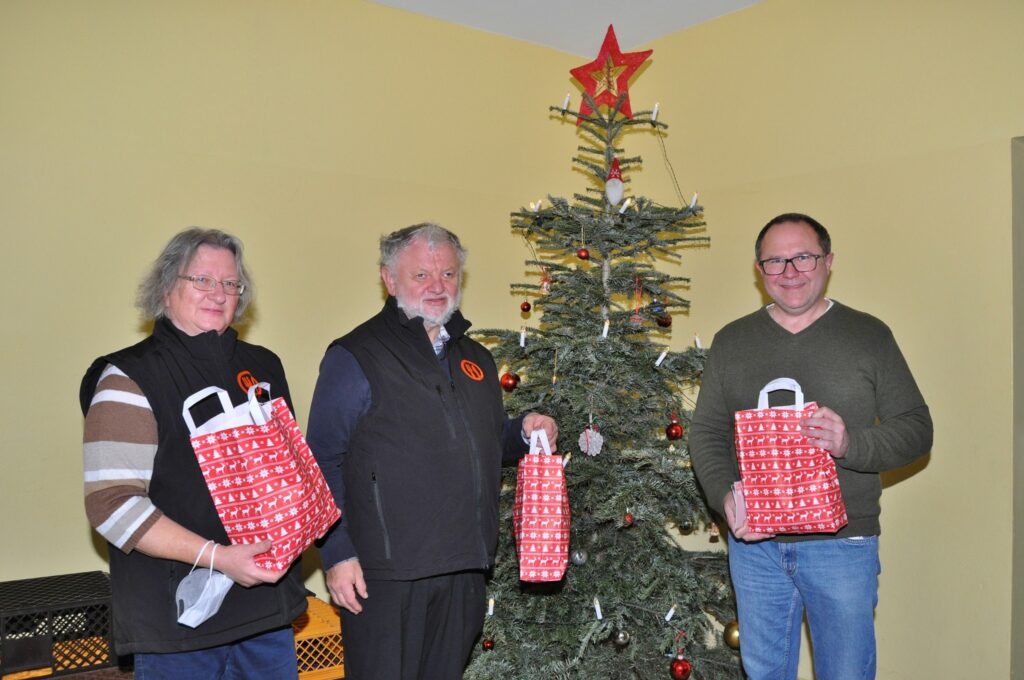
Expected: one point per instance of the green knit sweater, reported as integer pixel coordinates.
(846, 360)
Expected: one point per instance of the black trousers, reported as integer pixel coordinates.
(415, 630)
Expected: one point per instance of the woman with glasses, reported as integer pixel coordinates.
(145, 493)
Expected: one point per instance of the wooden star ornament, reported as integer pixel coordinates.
(607, 77)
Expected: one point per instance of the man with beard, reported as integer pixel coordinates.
(408, 427)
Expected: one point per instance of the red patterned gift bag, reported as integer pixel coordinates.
(788, 486)
(262, 477)
(540, 516)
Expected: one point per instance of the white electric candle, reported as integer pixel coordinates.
(604, 333)
(565, 104)
(654, 113)
(597, 609)
(661, 358)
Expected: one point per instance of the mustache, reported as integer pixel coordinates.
(414, 308)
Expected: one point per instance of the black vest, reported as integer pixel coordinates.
(169, 366)
(423, 470)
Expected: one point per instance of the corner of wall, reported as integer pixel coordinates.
(1017, 525)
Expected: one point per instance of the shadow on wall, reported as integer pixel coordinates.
(893, 477)
(99, 544)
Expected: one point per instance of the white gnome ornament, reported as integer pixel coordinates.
(613, 186)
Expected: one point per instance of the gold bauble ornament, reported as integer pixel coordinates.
(731, 634)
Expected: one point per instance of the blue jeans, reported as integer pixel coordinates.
(834, 580)
(268, 656)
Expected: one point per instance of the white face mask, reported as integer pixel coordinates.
(201, 593)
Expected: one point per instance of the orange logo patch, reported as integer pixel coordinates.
(246, 380)
(472, 370)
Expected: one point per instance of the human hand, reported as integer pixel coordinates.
(743, 532)
(238, 563)
(537, 421)
(826, 430)
(345, 581)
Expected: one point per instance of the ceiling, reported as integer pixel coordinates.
(574, 26)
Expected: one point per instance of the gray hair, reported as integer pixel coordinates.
(397, 241)
(175, 258)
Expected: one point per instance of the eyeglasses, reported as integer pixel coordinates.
(208, 283)
(801, 263)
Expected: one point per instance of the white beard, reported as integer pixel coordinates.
(414, 309)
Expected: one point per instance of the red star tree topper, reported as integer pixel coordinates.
(607, 77)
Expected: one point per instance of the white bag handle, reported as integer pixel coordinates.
(258, 416)
(541, 437)
(782, 384)
(191, 401)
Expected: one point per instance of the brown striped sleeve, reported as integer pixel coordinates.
(119, 447)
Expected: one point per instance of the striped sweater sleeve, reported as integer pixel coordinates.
(119, 448)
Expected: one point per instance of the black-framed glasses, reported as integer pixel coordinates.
(801, 263)
(208, 283)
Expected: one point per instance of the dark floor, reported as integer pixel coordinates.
(114, 673)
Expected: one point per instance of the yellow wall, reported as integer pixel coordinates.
(310, 128)
(891, 122)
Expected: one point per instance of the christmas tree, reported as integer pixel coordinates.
(633, 603)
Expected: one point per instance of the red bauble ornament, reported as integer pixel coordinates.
(674, 430)
(526, 306)
(583, 254)
(664, 320)
(509, 381)
(628, 519)
(680, 668)
(607, 77)
(488, 645)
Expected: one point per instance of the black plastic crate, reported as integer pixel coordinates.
(63, 623)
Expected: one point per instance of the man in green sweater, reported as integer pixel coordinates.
(871, 418)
